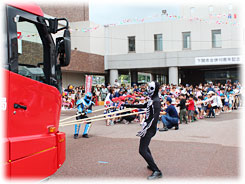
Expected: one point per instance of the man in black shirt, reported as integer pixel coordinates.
(182, 106)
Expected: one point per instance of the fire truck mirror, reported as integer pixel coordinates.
(55, 25)
(64, 48)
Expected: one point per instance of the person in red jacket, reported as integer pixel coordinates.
(191, 108)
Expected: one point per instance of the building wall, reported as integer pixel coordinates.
(73, 12)
(32, 53)
(80, 40)
(87, 63)
(173, 54)
(158, 60)
(97, 39)
(204, 10)
(201, 37)
(91, 41)
(76, 79)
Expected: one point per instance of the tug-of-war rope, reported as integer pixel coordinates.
(83, 113)
(99, 117)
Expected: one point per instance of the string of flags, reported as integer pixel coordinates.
(226, 19)
(229, 17)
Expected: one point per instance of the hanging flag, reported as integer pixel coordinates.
(88, 84)
(18, 35)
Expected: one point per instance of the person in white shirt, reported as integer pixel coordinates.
(219, 104)
(116, 83)
(109, 96)
(198, 92)
(104, 92)
(213, 103)
(109, 103)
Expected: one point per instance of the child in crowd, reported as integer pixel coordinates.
(226, 103)
(191, 108)
(200, 107)
(107, 111)
(219, 104)
(230, 102)
(196, 110)
(182, 109)
(65, 102)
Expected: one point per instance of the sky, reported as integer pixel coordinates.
(114, 11)
(109, 13)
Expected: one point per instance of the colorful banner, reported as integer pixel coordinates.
(88, 84)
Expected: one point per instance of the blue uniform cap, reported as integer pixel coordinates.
(169, 100)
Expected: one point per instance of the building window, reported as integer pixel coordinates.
(186, 40)
(192, 11)
(211, 9)
(131, 44)
(230, 8)
(30, 51)
(216, 38)
(158, 42)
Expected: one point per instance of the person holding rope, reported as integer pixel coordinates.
(169, 117)
(149, 127)
(129, 118)
(84, 106)
(109, 103)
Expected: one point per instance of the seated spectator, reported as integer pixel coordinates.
(130, 118)
(169, 117)
(65, 102)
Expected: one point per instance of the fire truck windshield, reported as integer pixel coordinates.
(30, 51)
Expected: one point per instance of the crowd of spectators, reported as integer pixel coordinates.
(192, 102)
(70, 95)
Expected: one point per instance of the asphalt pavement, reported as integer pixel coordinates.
(205, 149)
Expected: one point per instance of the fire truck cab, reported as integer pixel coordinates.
(34, 147)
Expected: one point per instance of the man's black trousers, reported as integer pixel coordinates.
(145, 151)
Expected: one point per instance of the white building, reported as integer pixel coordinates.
(200, 44)
(178, 50)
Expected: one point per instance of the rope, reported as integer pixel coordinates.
(88, 119)
(83, 113)
(62, 125)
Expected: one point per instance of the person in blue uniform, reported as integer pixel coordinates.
(84, 106)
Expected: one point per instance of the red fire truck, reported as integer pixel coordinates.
(34, 147)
